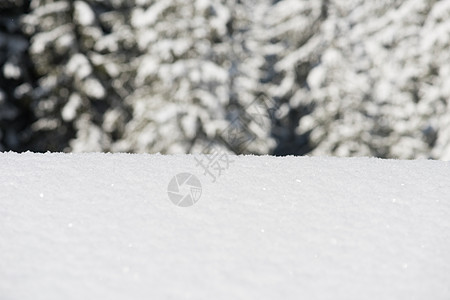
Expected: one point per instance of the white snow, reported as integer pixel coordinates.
(83, 13)
(69, 110)
(79, 65)
(142, 18)
(11, 70)
(94, 88)
(101, 226)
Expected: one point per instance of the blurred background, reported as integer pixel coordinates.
(300, 77)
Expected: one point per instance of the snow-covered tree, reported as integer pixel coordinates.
(367, 83)
(292, 47)
(326, 77)
(75, 99)
(144, 76)
(193, 79)
(15, 78)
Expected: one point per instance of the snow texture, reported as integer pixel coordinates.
(101, 226)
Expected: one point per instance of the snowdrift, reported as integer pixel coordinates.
(105, 226)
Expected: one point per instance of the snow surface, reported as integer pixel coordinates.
(101, 226)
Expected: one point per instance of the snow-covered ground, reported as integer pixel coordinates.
(101, 226)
